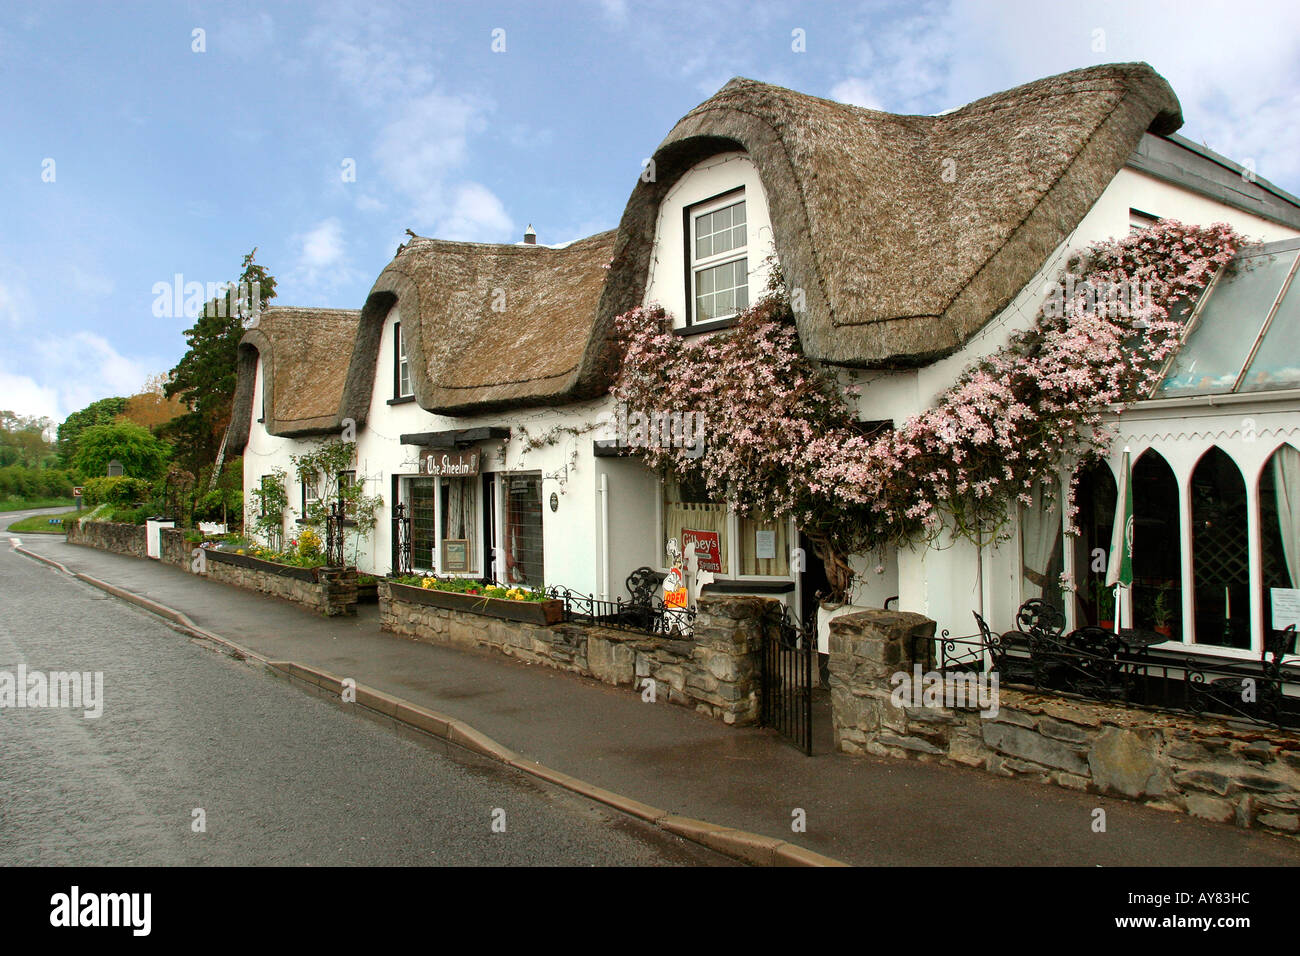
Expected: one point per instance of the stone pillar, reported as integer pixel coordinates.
(724, 666)
(866, 648)
(340, 590)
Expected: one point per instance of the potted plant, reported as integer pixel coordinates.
(1162, 614)
(1105, 607)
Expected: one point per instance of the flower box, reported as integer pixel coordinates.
(530, 612)
(261, 564)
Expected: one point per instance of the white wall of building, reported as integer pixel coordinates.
(666, 284)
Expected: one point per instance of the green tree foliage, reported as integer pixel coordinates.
(23, 441)
(141, 454)
(206, 375)
(102, 412)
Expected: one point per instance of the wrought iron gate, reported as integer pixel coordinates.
(789, 659)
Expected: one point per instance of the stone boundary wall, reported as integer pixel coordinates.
(110, 536)
(716, 671)
(332, 593)
(1215, 770)
(173, 549)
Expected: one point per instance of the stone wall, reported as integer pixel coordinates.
(110, 536)
(173, 549)
(716, 671)
(1212, 769)
(333, 594)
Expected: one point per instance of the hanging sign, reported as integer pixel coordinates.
(708, 548)
(450, 464)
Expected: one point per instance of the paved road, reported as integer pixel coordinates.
(12, 517)
(282, 777)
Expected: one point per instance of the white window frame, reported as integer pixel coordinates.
(694, 265)
(733, 544)
(404, 388)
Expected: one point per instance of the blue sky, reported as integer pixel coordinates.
(167, 160)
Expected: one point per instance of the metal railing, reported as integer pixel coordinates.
(1084, 664)
(789, 657)
(643, 617)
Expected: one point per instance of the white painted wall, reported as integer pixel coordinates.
(941, 582)
(666, 283)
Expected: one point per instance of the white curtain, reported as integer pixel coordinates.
(460, 507)
(1040, 547)
(1286, 480)
(696, 516)
(750, 563)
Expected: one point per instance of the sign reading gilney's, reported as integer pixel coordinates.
(449, 464)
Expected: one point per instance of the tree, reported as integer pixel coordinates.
(150, 407)
(206, 375)
(141, 454)
(23, 441)
(102, 412)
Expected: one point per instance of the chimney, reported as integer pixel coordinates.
(530, 237)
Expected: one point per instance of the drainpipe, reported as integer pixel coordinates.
(604, 536)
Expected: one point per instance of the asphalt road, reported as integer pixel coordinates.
(281, 777)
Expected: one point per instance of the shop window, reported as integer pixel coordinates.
(524, 562)
(1096, 495)
(1042, 556)
(1220, 552)
(459, 499)
(764, 546)
(1157, 546)
(1279, 524)
(424, 539)
(687, 508)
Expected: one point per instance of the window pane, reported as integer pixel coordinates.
(1157, 547)
(1277, 364)
(1220, 559)
(423, 539)
(686, 507)
(704, 280)
(738, 213)
(722, 219)
(523, 531)
(1212, 358)
(1279, 511)
(703, 247)
(742, 298)
(459, 508)
(764, 546)
(738, 237)
(704, 308)
(1041, 555)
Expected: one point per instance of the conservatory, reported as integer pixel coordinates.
(1215, 477)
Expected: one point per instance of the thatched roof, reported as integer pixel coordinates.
(305, 355)
(900, 265)
(486, 326)
(906, 234)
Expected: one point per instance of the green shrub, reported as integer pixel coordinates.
(118, 490)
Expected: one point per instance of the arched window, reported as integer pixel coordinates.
(1220, 552)
(1157, 546)
(1095, 495)
(1279, 529)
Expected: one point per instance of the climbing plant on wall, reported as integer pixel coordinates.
(782, 440)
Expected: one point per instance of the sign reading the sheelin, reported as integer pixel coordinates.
(449, 464)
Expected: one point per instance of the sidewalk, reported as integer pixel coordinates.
(860, 810)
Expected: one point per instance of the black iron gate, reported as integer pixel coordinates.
(789, 658)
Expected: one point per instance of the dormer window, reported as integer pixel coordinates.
(401, 367)
(718, 276)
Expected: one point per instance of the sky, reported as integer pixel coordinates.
(144, 141)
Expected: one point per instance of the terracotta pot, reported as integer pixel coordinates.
(1166, 629)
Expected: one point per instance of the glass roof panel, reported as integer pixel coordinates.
(1277, 364)
(1213, 355)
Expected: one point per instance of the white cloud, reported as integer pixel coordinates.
(856, 92)
(1237, 75)
(321, 267)
(475, 212)
(74, 370)
(24, 396)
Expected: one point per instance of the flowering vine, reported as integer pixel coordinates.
(784, 441)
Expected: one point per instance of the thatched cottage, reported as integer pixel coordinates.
(477, 375)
